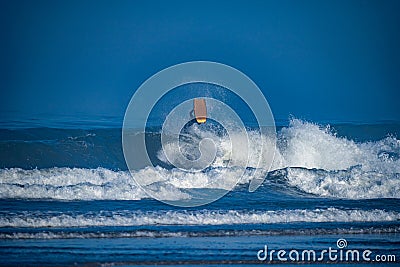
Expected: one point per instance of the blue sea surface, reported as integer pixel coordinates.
(67, 197)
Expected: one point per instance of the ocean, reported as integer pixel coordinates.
(67, 198)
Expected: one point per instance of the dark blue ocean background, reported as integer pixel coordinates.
(68, 70)
(67, 197)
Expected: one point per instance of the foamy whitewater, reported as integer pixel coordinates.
(67, 195)
(309, 157)
(201, 217)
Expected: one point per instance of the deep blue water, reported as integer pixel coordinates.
(66, 198)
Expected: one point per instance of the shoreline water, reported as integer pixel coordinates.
(240, 250)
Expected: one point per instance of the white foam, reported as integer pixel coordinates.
(326, 162)
(201, 217)
(309, 145)
(217, 178)
(77, 184)
(303, 144)
(338, 167)
(104, 184)
(97, 234)
(325, 167)
(19, 233)
(256, 145)
(353, 183)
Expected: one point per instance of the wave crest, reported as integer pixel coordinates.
(309, 157)
(200, 217)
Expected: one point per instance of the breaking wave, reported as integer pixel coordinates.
(308, 157)
(40, 219)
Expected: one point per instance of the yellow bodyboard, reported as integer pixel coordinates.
(200, 110)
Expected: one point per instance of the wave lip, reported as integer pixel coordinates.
(201, 217)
